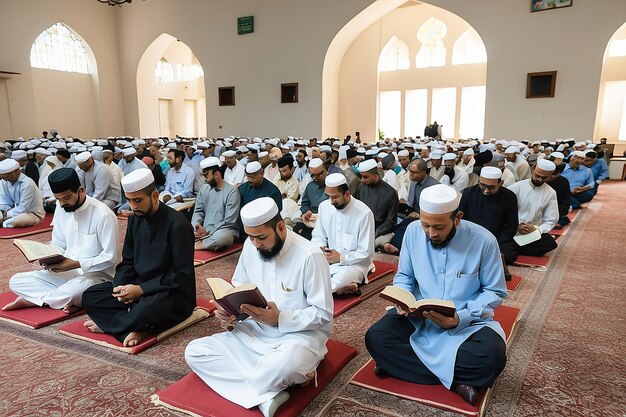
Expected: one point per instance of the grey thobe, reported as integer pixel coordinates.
(217, 210)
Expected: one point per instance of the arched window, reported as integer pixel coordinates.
(617, 47)
(164, 72)
(58, 48)
(469, 49)
(432, 53)
(394, 56)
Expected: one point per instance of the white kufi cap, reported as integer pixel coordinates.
(491, 173)
(258, 212)
(449, 156)
(209, 162)
(8, 165)
(546, 165)
(137, 180)
(367, 165)
(83, 157)
(512, 149)
(580, 154)
(252, 167)
(335, 180)
(403, 152)
(468, 152)
(229, 154)
(129, 151)
(439, 199)
(316, 163)
(557, 155)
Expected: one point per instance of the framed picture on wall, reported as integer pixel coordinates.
(539, 5)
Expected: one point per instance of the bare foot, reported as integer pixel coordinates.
(390, 249)
(348, 289)
(134, 338)
(92, 327)
(310, 376)
(70, 309)
(18, 303)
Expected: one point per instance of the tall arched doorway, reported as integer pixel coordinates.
(170, 90)
(400, 65)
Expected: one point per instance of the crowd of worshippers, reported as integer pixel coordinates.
(311, 215)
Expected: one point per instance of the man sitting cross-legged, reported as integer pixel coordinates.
(86, 230)
(447, 258)
(345, 232)
(154, 287)
(21, 202)
(217, 209)
(280, 345)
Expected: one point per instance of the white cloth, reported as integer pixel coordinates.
(405, 183)
(350, 231)
(20, 197)
(236, 175)
(519, 168)
(288, 189)
(116, 179)
(437, 173)
(90, 236)
(127, 168)
(271, 172)
(391, 178)
(536, 205)
(460, 181)
(469, 167)
(507, 178)
(98, 184)
(247, 366)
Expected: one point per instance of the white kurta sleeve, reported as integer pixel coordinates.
(108, 237)
(365, 244)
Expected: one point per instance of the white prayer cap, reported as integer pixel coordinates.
(367, 165)
(258, 212)
(512, 149)
(435, 155)
(43, 151)
(449, 156)
(335, 180)
(316, 163)
(211, 161)
(53, 160)
(535, 143)
(468, 152)
(403, 152)
(102, 142)
(439, 199)
(252, 167)
(83, 157)
(557, 155)
(117, 150)
(325, 148)
(171, 145)
(491, 173)
(203, 145)
(343, 152)
(107, 151)
(263, 154)
(18, 154)
(546, 165)
(578, 153)
(560, 148)
(137, 180)
(371, 152)
(381, 155)
(8, 165)
(129, 151)
(588, 151)
(229, 154)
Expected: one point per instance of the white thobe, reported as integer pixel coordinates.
(127, 168)
(22, 201)
(437, 173)
(405, 183)
(460, 181)
(271, 172)
(289, 189)
(98, 184)
(116, 179)
(536, 205)
(520, 168)
(350, 231)
(236, 175)
(249, 365)
(89, 235)
(391, 178)
(469, 167)
(507, 177)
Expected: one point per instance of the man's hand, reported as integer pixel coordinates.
(441, 320)
(4, 215)
(400, 310)
(402, 201)
(267, 315)
(332, 256)
(65, 265)
(127, 294)
(179, 198)
(414, 215)
(167, 198)
(306, 216)
(200, 231)
(226, 320)
(524, 228)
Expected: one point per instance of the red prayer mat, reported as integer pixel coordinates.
(11, 232)
(33, 317)
(380, 270)
(515, 281)
(345, 303)
(77, 330)
(562, 232)
(434, 395)
(201, 257)
(192, 396)
(533, 261)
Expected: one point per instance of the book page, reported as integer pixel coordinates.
(531, 237)
(35, 250)
(241, 288)
(400, 294)
(434, 302)
(219, 286)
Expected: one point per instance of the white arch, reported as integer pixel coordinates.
(469, 49)
(394, 56)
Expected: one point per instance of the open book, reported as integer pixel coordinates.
(231, 298)
(42, 252)
(415, 308)
(531, 237)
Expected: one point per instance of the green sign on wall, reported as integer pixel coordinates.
(245, 25)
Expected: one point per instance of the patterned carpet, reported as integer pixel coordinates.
(566, 356)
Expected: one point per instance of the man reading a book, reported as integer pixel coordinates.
(154, 287)
(216, 211)
(280, 345)
(86, 232)
(345, 232)
(446, 258)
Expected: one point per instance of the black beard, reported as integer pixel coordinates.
(212, 183)
(71, 208)
(445, 242)
(536, 184)
(267, 254)
(340, 206)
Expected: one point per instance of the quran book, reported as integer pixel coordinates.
(531, 237)
(37, 251)
(416, 308)
(231, 298)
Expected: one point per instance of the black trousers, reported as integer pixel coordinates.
(510, 251)
(399, 231)
(479, 360)
(303, 230)
(537, 248)
(151, 314)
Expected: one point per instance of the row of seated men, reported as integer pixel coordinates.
(153, 287)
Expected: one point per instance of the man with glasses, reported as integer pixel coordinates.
(216, 211)
(257, 186)
(493, 207)
(537, 208)
(314, 194)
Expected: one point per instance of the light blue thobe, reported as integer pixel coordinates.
(468, 271)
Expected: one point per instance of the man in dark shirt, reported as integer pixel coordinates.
(560, 184)
(494, 207)
(29, 168)
(154, 287)
(381, 198)
(314, 194)
(257, 186)
(159, 178)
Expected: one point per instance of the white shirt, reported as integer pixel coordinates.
(116, 178)
(391, 178)
(89, 235)
(405, 183)
(350, 231)
(507, 177)
(520, 168)
(271, 172)
(289, 188)
(97, 182)
(22, 196)
(536, 205)
(236, 175)
(460, 181)
(437, 173)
